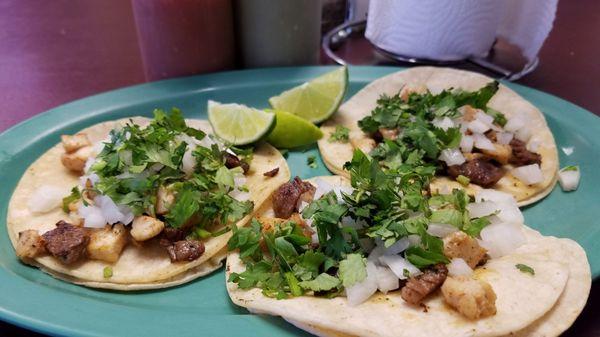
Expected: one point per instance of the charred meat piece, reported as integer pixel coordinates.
(288, 196)
(521, 156)
(66, 242)
(271, 173)
(232, 161)
(418, 287)
(185, 250)
(30, 244)
(480, 171)
(173, 234)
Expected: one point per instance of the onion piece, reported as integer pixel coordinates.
(569, 179)
(452, 157)
(188, 162)
(45, 198)
(441, 230)
(523, 134)
(443, 123)
(386, 280)
(529, 174)
(533, 146)
(482, 142)
(504, 138)
(477, 126)
(479, 209)
(501, 238)
(361, 291)
(466, 143)
(398, 247)
(458, 267)
(398, 265)
(484, 118)
(507, 204)
(513, 124)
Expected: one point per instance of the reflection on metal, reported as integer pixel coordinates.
(337, 36)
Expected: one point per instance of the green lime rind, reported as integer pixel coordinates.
(292, 131)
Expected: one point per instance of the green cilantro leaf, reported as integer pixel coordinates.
(341, 134)
(353, 269)
(323, 282)
(525, 268)
(311, 161)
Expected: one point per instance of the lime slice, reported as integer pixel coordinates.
(292, 131)
(239, 124)
(316, 100)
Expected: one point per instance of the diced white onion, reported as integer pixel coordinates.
(477, 126)
(92, 216)
(529, 174)
(501, 238)
(569, 180)
(513, 124)
(104, 211)
(523, 134)
(504, 137)
(495, 196)
(443, 123)
(398, 264)
(109, 209)
(188, 162)
(533, 146)
(466, 143)
(507, 204)
(88, 164)
(452, 157)
(239, 181)
(441, 230)
(479, 209)
(463, 127)
(93, 178)
(458, 267)
(482, 142)
(45, 198)
(414, 239)
(375, 254)
(323, 187)
(398, 247)
(361, 291)
(386, 280)
(484, 118)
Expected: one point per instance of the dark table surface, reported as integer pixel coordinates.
(52, 52)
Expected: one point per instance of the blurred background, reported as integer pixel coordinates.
(55, 51)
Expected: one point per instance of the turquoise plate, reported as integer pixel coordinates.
(32, 299)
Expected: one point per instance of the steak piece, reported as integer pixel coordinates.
(185, 250)
(521, 156)
(232, 161)
(66, 242)
(480, 171)
(288, 196)
(271, 173)
(173, 234)
(418, 287)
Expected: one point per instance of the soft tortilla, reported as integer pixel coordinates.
(545, 303)
(335, 154)
(139, 267)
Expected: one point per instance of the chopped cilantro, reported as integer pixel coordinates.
(107, 272)
(463, 180)
(311, 161)
(570, 168)
(341, 134)
(353, 269)
(74, 196)
(323, 282)
(525, 268)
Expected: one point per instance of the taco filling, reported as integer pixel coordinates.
(454, 133)
(166, 182)
(384, 231)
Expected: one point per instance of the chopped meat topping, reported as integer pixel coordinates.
(521, 156)
(480, 171)
(232, 161)
(173, 234)
(288, 196)
(418, 287)
(107, 244)
(472, 298)
(66, 242)
(30, 244)
(460, 245)
(185, 250)
(75, 161)
(72, 143)
(272, 172)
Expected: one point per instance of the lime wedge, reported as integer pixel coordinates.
(239, 124)
(292, 131)
(316, 100)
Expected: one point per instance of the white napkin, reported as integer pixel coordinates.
(449, 30)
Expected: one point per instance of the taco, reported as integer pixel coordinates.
(474, 132)
(375, 256)
(145, 203)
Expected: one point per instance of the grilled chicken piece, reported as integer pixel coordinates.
(66, 242)
(72, 143)
(418, 287)
(30, 244)
(164, 200)
(407, 90)
(500, 153)
(146, 227)
(460, 245)
(107, 244)
(75, 161)
(185, 250)
(472, 298)
(468, 113)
